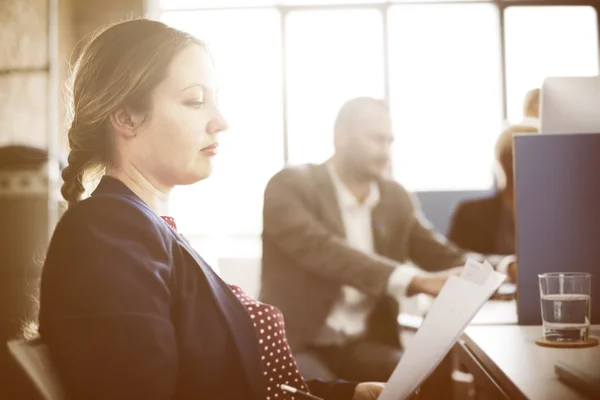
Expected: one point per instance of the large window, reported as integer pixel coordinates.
(251, 151)
(446, 95)
(287, 66)
(326, 67)
(547, 41)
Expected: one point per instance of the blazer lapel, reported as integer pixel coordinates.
(238, 320)
(380, 220)
(328, 199)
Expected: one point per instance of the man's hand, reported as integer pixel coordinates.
(431, 284)
(372, 390)
(512, 271)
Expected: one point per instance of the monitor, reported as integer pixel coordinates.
(570, 105)
(557, 180)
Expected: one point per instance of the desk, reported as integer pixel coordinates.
(494, 312)
(507, 364)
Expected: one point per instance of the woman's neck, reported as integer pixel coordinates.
(156, 197)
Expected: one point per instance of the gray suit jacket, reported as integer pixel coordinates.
(306, 260)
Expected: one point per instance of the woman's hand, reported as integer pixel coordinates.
(372, 390)
(368, 391)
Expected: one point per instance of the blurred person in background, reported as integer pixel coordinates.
(531, 109)
(338, 239)
(487, 225)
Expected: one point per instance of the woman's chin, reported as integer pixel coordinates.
(203, 172)
(203, 169)
(195, 176)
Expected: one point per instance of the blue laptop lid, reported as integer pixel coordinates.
(558, 214)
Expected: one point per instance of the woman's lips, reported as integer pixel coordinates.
(211, 150)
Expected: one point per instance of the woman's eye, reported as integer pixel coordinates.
(195, 104)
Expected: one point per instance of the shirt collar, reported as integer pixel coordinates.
(346, 198)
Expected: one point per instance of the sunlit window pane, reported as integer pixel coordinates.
(191, 4)
(249, 63)
(435, 1)
(327, 2)
(332, 56)
(445, 94)
(547, 41)
(198, 4)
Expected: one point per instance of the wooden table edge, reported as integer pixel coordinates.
(502, 380)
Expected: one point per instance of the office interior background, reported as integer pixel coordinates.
(453, 72)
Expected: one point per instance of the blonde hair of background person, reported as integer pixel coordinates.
(128, 309)
(530, 109)
(531, 104)
(504, 158)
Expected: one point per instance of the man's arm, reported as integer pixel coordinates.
(293, 228)
(430, 250)
(460, 228)
(433, 252)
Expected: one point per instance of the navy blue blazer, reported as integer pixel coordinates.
(129, 310)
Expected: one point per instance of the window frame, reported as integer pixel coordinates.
(383, 7)
(502, 5)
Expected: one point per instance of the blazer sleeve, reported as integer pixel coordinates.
(291, 226)
(105, 304)
(429, 249)
(332, 390)
(459, 228)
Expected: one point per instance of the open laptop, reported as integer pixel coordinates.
(570, 105)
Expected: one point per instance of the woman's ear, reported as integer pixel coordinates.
(125, 122)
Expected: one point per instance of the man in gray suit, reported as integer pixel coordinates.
(337, 238)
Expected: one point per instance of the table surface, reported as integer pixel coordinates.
(496, 312)
(524, 369)
(493, 312)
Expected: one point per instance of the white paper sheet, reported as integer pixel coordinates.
(456, 305)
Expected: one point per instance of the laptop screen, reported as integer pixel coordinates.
(557, 181)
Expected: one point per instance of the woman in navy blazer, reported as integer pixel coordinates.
(128, 309)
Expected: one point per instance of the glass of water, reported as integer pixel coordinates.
(565, 298)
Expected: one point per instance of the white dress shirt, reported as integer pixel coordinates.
(348, 317)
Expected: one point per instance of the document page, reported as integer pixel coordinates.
(456, 305)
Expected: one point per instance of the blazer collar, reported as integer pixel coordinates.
(332, 212)
(346, 200)
(110, 185)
